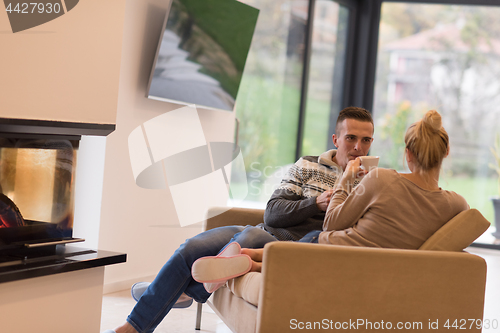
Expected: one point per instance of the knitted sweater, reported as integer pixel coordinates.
(292, 211)
(387, 210)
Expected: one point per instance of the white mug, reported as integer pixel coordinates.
(369, 162)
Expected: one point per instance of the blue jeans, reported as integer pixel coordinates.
(311, 237)
(175, 276)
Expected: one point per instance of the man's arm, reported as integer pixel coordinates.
(286, 209)
(304, 193)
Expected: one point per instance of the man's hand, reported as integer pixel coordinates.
(323, 200)
(353, 170)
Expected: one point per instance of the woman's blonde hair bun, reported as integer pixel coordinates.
(433, 119)
(428, 141)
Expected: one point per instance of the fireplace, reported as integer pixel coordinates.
(39, 270)
(37, 177)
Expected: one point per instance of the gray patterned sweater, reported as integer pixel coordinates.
(292, 211)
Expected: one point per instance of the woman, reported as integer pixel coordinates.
(387, 209)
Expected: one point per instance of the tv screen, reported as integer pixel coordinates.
(202, 52)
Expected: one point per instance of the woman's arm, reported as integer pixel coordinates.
(348, 205)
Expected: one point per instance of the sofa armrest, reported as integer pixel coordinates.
(327, 284)
(235, 216)
(458, 233)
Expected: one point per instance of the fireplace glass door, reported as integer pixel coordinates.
(37, 190)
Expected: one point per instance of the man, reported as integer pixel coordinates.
(299, 204)
(297, 207)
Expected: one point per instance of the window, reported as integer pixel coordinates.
(269, 101)
(326, 75)
(447, 58)
(397, 59)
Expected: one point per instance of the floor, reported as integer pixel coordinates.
(492, 294)
(117, 306)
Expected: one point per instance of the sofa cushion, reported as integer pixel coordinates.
(247, 287)
(239, 315)
(458, 233)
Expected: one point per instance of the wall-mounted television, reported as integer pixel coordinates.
(202, 52)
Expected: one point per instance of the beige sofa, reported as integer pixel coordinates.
(325, 287)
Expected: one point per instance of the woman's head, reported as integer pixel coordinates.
(427, 141)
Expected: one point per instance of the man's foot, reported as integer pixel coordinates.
(220, 269)
(140, 287)
(231, 250)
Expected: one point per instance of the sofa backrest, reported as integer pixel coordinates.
(458, 233)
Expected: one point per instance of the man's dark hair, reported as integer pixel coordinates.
(353, 112)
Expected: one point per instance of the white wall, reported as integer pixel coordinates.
(88, 189)
(66, 69)
(83, 67)
(142, 223)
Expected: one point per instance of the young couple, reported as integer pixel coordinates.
(316, 202)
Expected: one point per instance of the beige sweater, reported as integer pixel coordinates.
(387, 210)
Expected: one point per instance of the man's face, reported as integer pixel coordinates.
(353, 140)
